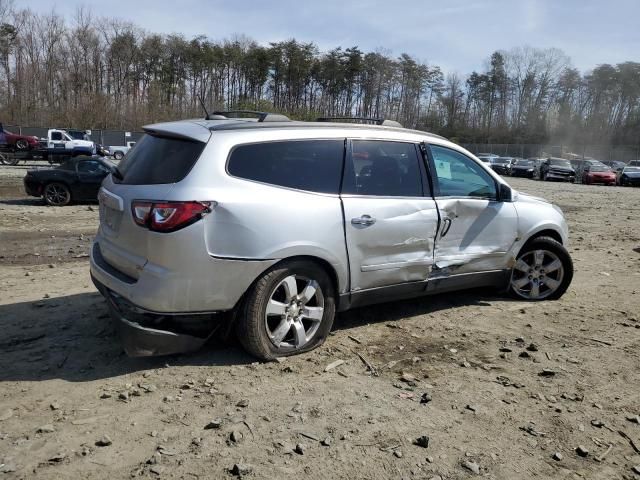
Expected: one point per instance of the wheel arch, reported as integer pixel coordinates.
(547, 232)
(64, 182)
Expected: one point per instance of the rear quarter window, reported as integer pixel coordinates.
(312, 165)
(157, 160)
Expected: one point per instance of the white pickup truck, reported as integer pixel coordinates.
(61, 141)
(121, 150)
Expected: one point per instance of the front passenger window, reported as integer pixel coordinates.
(459, 176)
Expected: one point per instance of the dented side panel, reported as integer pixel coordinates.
(478, 235)
(398, 247)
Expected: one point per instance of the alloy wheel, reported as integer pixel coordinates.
(537, 274)
(57, 194)
(294, 312)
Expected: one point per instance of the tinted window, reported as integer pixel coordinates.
(459, 176)
(158, 160)
(314, 165)
(383, 169)
(89, 166)
(56, 135)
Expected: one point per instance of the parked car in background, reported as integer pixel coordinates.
(14, 141)
(598, 173)
(487, 157)
(77, 179)
(629, 176)
(523, 168)
(121, 150)
(557, 169)
(501, 165)
(187, 230)
(615, 165)
(634, 163)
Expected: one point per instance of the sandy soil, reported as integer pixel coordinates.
(65, 384)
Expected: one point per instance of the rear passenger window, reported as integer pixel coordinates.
(157, 160)
(313, 165)
(383, 169)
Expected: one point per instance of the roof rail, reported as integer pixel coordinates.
(376, 121)
(262, 116)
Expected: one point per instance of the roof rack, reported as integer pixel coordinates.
(262, 116)
(376, 121)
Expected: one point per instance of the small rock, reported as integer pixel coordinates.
(636, 469)
(57, 458)
(155, 459)
(397, 453)
(28, 274)
(547, 372)
(582, 451)
(597, 423)
(471, 466)
(299, 449)
(326, 442)
(532, 347)
(157, 469)
(243, 403)
(634, 419)
(54, 406)
(519, 339)
(46, 429)
(422, 441)
(473, 408)
(505, 350)
(524, 354)
(465, 364)
(333, 365)
(105, 395)
(168, 399)
(236, 436)
(105, 441)
(240, 469)
(124, 396)
(425, 398)
(7, 467)
(429, 459)
(557, 456)
(214, 424)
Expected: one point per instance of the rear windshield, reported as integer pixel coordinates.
(157, 160)
(560, 163)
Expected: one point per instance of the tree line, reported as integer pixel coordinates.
(91, 72)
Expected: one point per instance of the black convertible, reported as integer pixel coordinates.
(77, 179)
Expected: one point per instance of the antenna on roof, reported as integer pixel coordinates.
(206, 113)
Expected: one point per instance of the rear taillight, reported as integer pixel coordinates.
(168, 216)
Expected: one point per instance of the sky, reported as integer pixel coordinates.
(457, 35)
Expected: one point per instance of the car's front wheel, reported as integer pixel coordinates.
(543, 270)
(289, 310)
(22, 145)
(57, 194)
(118, 155)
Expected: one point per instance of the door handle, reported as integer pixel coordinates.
(446, 225)
(364, 220)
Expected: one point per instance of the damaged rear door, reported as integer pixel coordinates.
(477, 230)
(390, 216)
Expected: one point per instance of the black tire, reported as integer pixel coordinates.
(56, 194)
(118, 155)
(22, 144)
(251, 326)
(551, 245)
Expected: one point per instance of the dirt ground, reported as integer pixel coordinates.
(497, 402)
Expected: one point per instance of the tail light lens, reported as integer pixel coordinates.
(168, 216)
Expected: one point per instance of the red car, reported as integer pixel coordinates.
(598, 174)
(17, 142)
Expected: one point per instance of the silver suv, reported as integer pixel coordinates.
(273, 226)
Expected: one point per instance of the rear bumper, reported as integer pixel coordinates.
(145, 333)
(564, 178)
(199, 283)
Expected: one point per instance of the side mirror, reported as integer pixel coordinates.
(504, 193)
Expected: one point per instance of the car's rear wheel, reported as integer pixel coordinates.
(57, 194)
(21, 144)
(289, 310)
(543, 270)
(118, 155)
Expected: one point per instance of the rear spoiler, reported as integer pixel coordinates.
(182, 130)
